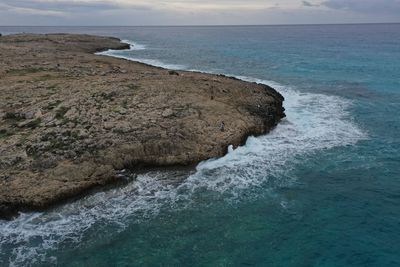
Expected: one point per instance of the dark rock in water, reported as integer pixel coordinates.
(8, 211)
(71, 119)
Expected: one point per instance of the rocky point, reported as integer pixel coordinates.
(70, 119)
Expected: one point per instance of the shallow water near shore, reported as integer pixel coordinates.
(322, 189)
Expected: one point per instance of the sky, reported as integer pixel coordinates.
(195, 12)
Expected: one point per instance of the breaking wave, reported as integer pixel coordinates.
(135, 46)
(126, 54)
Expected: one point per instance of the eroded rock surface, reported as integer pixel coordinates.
(70, 119)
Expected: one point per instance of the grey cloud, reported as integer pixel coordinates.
(69, 6)
(389, 7)
(162, 12)
(308, 4)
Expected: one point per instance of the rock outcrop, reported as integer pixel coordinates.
(69, 119)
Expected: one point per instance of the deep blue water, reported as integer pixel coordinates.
(322, 189)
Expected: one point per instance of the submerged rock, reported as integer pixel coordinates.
(69, 125)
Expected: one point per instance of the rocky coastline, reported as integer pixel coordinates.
(70, 119)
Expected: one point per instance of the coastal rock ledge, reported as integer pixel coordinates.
(70, 119)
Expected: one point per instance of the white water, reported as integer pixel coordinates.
(135, 46)
(314, 122)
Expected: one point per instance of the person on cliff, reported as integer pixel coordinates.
(222, 126)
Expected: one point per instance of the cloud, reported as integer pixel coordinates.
(188, 12)
(65, 6)
(30, 11)
(308, 4)
(389, 7)
(194, 5)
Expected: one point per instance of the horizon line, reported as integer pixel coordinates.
(209, 25)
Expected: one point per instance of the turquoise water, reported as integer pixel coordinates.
(322, 189)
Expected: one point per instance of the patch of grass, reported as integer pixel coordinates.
(60, 112)
(133, 86)
(52, 87)
(125, 104)
(14, 116)
(22, 139)
(34, 124)
(32, 151)
(53, 105)
(73, 135)
(43, 78)
(25, 71)
(5, 133)
(106, 96)
(56, 144)
(60, 144)
(47, 136)
(66, 120)
(74, 120)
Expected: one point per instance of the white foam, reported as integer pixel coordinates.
(31, 235)
(156, 63)
(314, 122)
(135, 46)
(152, 62)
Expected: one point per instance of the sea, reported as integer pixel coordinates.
(321, 189)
